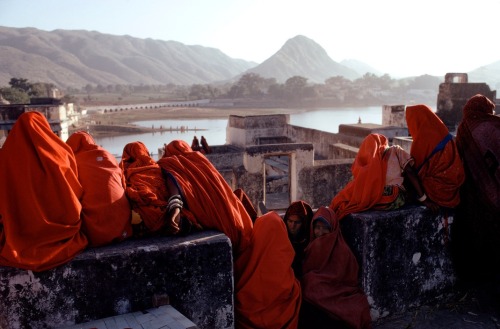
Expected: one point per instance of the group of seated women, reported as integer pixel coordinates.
(58, 198)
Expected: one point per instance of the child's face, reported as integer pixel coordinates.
(320, 229)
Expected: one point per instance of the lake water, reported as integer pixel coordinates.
(214, 130)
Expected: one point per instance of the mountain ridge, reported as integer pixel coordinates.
(76, 58)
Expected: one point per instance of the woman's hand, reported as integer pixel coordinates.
(173, 220)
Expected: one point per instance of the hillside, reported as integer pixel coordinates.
(77, 58)
(303, 57)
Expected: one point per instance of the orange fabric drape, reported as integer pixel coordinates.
(106, 212)
(442, 174)
(330, 276)
(145, 186)
(206, 194)
(268, 294)
(369, 172)
(39, 197)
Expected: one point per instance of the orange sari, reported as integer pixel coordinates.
(145, 186)
(366, 188)
(208, 200)
(106, 211)
(437, 160)
(39, 198)
(268, 294)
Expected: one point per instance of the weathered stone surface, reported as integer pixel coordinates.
(404, 257)
(194, 271)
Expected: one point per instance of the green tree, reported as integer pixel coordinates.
(15, 96)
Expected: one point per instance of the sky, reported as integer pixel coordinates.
(397, 37)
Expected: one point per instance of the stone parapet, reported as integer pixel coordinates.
(195, 272)
(404, 257)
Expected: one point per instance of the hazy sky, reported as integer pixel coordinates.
(398, 37)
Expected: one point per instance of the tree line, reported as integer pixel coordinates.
(295, 91)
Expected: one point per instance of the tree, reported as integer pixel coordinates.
(15, 96)
(295, 87)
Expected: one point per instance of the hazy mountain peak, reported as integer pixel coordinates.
(303, 57)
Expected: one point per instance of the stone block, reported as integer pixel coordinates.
(195, 271)
(404, 257)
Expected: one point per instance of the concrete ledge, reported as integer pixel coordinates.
(404, 257)
(196, 272)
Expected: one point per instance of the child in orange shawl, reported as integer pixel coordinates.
(378, 175)
(106, 211)
(39, 197)
(437, 160)
(330, 287)
(267, 294)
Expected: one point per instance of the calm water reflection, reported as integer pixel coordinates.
(214, 130)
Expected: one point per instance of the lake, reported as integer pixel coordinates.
(214, 130)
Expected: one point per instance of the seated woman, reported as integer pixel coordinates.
(297, 219)
(437, 161)
(266, 293)
(332, 297)
(106, 211)
(378, 173)
(40, 224)
(147, 192)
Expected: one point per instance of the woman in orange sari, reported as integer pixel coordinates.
(437, 160)
(145, 189)
(378, 176)
(39, 197)
(266, 289)
(106, 211)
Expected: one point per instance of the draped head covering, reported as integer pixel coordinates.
(437, 161)
(369, 172)
(39, 197)
(304, 211)
(209, 201)
(106, 211)
(478, 140)
(330, 276)
(267, 293)
(145, 186)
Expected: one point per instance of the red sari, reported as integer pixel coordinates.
(209, 202)
(39, 198)
(437, 160)
(478, 140)
(368, 170)
(267, 294)
(106, 211)
(145, 186)
(330, 276)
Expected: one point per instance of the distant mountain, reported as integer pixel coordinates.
(303, 57)
(69, 58)
(77, 58)
(360, 67)
(489, 74)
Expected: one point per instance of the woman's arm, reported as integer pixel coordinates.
(412, 176)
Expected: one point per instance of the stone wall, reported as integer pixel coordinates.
(404, 257)
(123, 278)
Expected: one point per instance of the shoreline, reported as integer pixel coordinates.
(122, 122)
